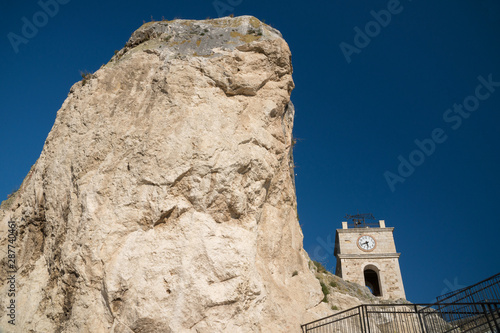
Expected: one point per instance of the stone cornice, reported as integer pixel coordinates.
(365, 230)
(369, 256)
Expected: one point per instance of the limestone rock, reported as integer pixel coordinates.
(163, 199)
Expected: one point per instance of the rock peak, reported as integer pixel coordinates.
(203, 38)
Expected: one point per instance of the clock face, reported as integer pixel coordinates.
(366, 243)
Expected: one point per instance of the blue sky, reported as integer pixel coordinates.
(362, 99)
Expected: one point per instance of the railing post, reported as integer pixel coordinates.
(487, 317)
(419, 318)
(425, 315)
(493, 310)
(361, 319)
(365, 307)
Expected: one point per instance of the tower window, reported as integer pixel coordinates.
(372, 281)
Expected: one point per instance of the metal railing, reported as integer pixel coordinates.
(472, 309)
(469, 317)
(412, 318)
(485, 290)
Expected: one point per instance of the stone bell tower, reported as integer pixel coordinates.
(366, 254)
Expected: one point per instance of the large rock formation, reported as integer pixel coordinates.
(163, 199)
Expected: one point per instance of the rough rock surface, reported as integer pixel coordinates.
(163, 199)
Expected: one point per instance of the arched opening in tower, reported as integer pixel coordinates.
(372, 282)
